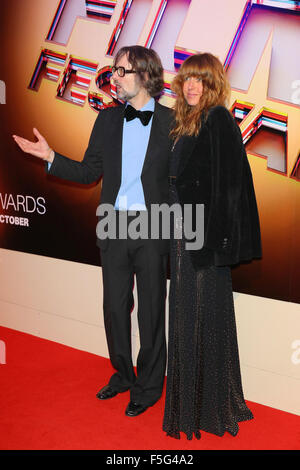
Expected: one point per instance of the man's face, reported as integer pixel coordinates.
(129, 86)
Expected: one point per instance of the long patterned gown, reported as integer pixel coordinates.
(204, 389)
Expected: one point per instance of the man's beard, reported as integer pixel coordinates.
(126, 95)
(123, 94)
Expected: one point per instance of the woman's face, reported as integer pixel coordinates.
(192, 90)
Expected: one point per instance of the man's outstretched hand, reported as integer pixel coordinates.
(39, 149)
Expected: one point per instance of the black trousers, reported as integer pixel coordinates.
(120, 261)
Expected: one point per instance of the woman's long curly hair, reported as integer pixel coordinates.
(216, 91)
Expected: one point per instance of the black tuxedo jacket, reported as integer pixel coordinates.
(214, 171)
(103, 157)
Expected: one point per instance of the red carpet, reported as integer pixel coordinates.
(47, 397)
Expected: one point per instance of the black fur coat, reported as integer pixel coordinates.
(214, 171)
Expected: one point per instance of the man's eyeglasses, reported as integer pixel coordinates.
(121, 71)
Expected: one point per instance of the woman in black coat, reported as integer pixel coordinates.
(209, 166)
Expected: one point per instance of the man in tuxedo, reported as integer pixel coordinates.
(129, 147)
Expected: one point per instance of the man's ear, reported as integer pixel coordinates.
(145, 77)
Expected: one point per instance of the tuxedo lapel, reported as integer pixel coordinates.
(115, 142)
(158, 130)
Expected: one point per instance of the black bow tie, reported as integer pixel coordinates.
(131, 113)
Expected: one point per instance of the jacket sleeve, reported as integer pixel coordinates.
(90, 168)
(227, 156)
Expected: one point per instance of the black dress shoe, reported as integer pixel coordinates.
(134, 409)
(106, 392)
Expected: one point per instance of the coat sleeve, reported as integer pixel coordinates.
(227, 157)
(90, 168)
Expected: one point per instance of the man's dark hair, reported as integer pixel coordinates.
(148, 66)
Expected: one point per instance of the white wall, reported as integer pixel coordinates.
(62, 301)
